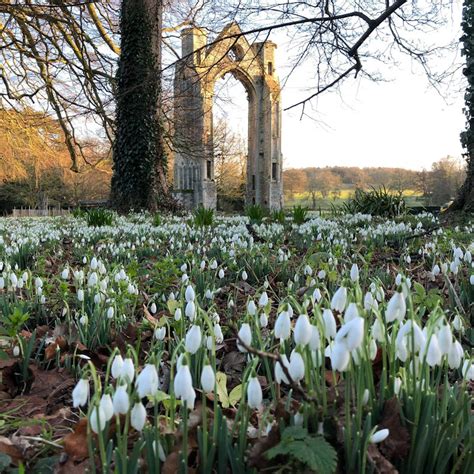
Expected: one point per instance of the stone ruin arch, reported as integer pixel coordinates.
(201, 66)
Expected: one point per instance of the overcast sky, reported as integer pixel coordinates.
(399, 123)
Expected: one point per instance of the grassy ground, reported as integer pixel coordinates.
(412, 198)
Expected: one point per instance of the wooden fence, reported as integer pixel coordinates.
(39, 212)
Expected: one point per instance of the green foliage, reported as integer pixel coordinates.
(138, 130)
(203, 217)
(377, 202)
(13, 319)
(299, 214)
(256, 213)
(157, 220)
(99, 217)
(278, 216)
(467, 50)
(302, 448)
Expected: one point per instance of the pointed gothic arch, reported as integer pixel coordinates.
(196, 74)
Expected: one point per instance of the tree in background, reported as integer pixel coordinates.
(295, 181)
(230, 161)
(445, 180)
(322, 181)
(465, 198)
(140, 163)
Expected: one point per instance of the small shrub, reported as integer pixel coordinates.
(377, 202)
(157, 220)
(203, 217)
(256, 213)
(99, 217)
(299, 214)
(278, 216)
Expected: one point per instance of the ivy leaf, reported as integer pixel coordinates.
(314, 452)
(235, 395)
(221, 382)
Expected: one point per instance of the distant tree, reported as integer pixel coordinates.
(445, 179)
(295, 181)
(322, 182)
(230, 161)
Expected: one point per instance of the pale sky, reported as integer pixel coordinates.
(400, 123)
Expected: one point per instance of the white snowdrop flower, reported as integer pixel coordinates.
(263, 301)
(80, 394)
(254, 393)
(251, 308)
(193, 339)
(2, 283)
(138, 416)
(290, 310)
(468, 257)
(160, 333)
(208, 294)
(117, 365)
(372, 349)
(190, 310)
(221, 273)
(97, 298)
(245, 335)
(296, 369)
(183, 386)
(83, 320)
(308, 270)
(94, 263)
(397, 384)
(339, 299)
(317, 295)
(302, 332)
(177, 314)
(16, 351)
(263, 319)
(159, 451)
(436, 270)
(351, 334)
(340, 357)
(13, 280)
(368, 301)
(189, 294)
(445, 339)
(209, 343)
(355, 272)
(97, 419)
(218, 333)
(408, 259)
(298, 419)
(396, 308)
(455, 355)
(457, 323)
(398, 280)
(329, 324)
(433, 353)
(110, 312)
(468, 370)
(92, 280)
(213, 265)
(379, 436)
(471, 279)
(315, 340)
(183, 267)
(279, 373)
(65, 273)
(107, 406)
(120, 400)
(153, 308)
(321, 274)
(202, 265)
(351, 312)
(283, 326)
(184, 278)
(444, 268)
(128, 370)
(208, 379)
(365, 397)
(244, 276)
